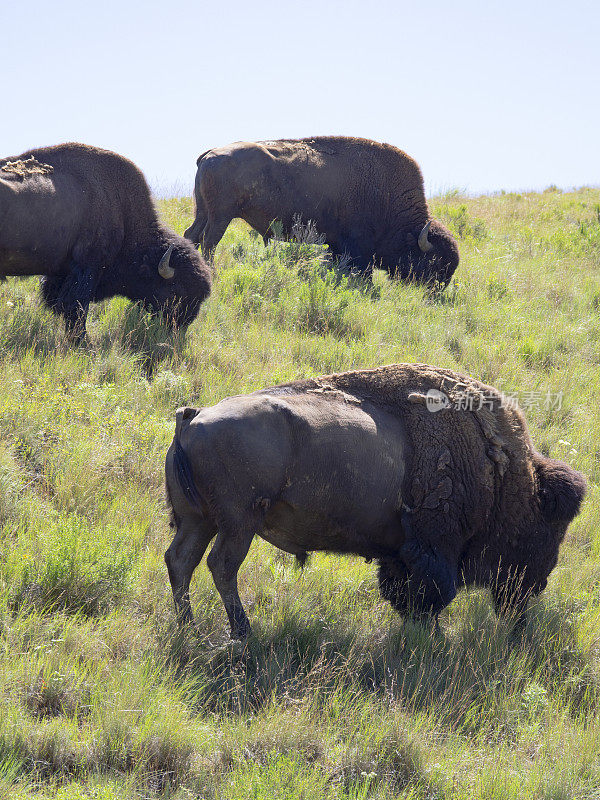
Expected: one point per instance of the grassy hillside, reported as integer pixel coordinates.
(333, 697)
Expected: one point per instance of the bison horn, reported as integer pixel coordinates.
(165, 270)
(424, 243)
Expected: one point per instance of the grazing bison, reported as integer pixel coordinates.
(83, 218)
(366, 198)
(358, 462)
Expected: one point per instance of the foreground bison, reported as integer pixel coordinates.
(359, 463)
(366, 198)
(84, 219)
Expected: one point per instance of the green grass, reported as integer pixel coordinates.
(334, 696)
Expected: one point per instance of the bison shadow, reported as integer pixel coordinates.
(31, 328)
(452, 672)
(150, 339)
(308, 259)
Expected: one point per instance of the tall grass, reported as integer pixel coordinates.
(334, 696)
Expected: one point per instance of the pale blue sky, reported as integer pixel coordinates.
(484, 95)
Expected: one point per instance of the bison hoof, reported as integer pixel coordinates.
(430, 621)
(241, 634)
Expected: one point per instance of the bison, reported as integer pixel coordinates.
(443, 494)
(367, 199)
(84, 219)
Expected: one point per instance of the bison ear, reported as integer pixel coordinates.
(561, 490)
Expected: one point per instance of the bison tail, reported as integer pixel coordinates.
(561, 490)
(185, 476)
(200, 157)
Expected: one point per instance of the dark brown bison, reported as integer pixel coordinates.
(83, 218)
(359, 463)
(366, 198)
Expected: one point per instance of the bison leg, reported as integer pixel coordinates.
(212, 235)
(196, 229)
(394, 585)
(432, 576)
(411, 596)
(50, 287)
(70, 297)
(183, 556)
(75, 319)
(53, 292)
(224, 561)
(359, 251)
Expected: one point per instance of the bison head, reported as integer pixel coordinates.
(526, 550)
(433, 254)
(513, 557)
(173, 280)
(561, 491)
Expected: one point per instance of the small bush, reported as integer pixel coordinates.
(68, 567)
(460, 221)
(10, 486)
(497, 287)
(321, 309)
(385, 758)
